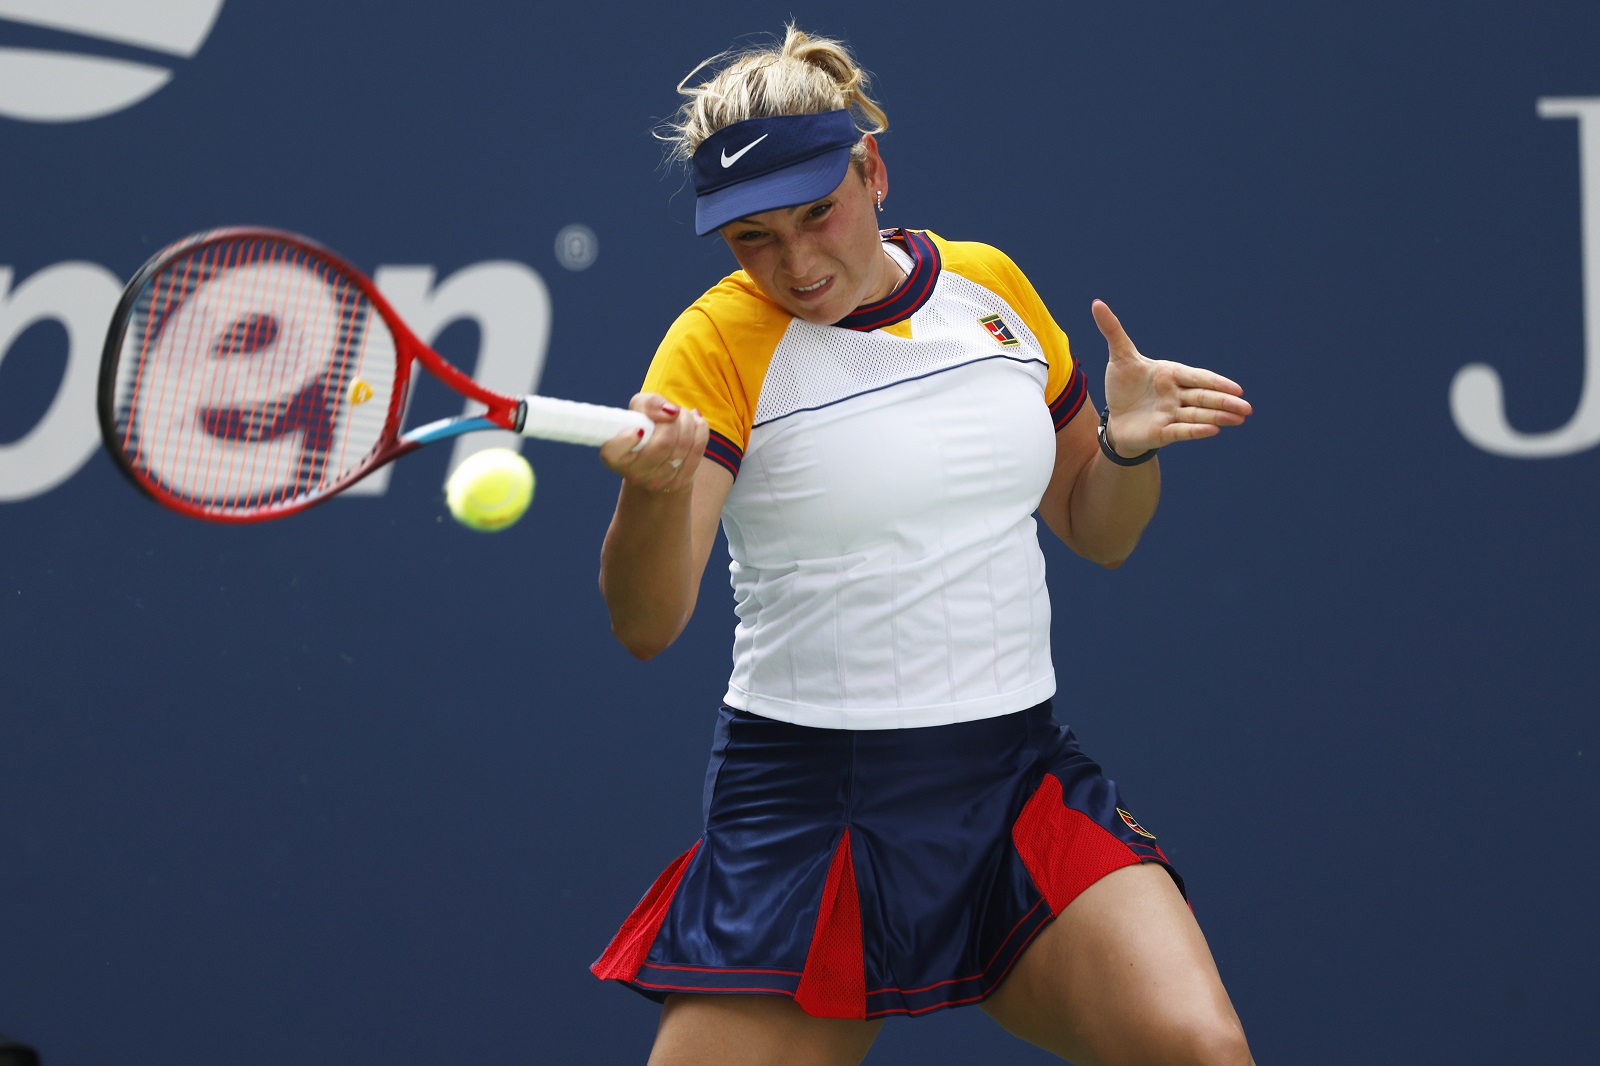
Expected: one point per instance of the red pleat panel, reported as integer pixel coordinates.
(626, 952)
(834, 983)
(1064, 850)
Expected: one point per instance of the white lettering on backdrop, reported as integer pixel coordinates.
(508, 302)
(1477, 396)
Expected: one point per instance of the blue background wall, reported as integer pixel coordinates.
(364, 787)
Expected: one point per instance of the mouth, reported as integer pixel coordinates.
(812, 291)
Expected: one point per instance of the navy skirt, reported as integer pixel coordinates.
(873, 872)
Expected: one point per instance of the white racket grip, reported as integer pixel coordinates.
(579, 423)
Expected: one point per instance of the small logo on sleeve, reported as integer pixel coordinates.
(1128, 820)
(999, 330)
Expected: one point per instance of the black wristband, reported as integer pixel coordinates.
(1111, 453)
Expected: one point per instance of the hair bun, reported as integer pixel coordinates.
(801, 75)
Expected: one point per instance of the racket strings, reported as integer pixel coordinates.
(252, 377)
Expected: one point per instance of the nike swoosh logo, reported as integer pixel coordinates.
(730, 160)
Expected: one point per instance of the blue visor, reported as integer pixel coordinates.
(762, 164)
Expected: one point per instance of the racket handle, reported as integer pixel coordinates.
(578, 423)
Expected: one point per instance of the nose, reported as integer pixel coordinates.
(798, 257)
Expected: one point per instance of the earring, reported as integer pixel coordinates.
(880, 201)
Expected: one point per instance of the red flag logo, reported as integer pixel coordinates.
(999, 330)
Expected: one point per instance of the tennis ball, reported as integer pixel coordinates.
(490, 489)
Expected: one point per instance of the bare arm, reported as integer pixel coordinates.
(663, 529)
(1098, 508)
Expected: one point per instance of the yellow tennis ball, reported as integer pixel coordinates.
(490, 489)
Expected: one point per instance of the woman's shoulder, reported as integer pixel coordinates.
(735, 297)
(968, 257)
(730, 315)
(714, 355)
(985, 265)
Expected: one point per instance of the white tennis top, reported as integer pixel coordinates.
(885, 563)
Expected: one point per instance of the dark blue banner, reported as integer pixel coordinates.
(362, 786)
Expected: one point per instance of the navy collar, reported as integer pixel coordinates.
(912, 293)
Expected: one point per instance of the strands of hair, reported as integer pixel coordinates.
(800, 75)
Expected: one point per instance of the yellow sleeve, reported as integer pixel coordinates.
(714, 358)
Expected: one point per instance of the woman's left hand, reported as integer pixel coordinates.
(1155, 402)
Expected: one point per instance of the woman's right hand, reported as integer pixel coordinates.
(668, 460)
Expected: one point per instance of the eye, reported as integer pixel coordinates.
(820, 209)
(749, 236)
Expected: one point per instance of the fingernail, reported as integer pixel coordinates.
(669, 408)
(638, 433)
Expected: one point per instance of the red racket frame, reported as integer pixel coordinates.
(504, 412)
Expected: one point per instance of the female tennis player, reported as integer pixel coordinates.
(895, 822)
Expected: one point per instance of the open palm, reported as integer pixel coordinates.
(1155, 402)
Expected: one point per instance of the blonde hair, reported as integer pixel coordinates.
(803, 75)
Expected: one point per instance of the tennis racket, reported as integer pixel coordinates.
(250, 373)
